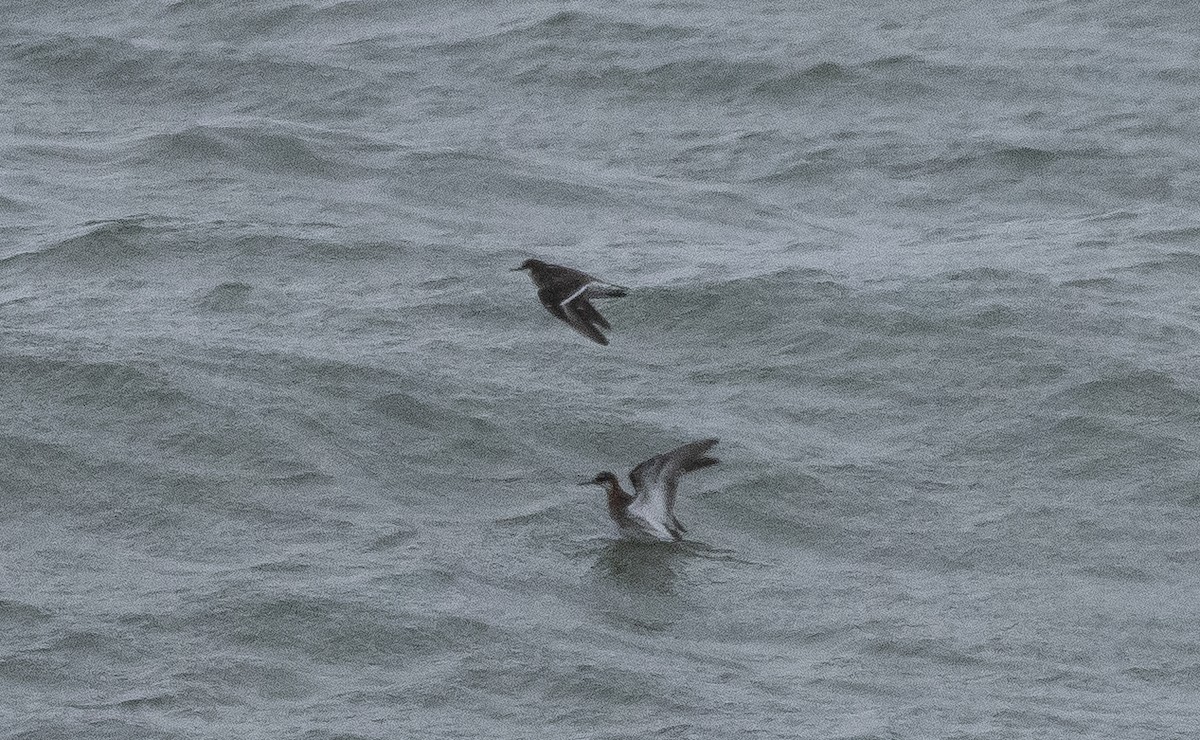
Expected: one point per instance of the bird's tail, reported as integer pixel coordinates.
(606, 290)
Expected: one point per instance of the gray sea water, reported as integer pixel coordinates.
(286, 451)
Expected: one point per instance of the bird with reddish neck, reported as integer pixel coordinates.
(649, 512)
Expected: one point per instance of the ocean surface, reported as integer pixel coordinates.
(287, 451)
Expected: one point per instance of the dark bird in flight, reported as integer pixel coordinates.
(565, 292)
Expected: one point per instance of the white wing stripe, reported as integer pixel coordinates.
(574, 295)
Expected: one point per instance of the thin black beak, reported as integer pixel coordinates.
(588, 482)
(516, 269)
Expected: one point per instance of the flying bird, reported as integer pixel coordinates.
(565, 292)
(650, 512)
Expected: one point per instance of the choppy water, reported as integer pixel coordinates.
(286, 451)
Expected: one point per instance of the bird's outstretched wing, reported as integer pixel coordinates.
(574, 308)
(656, 480)
(569, 312)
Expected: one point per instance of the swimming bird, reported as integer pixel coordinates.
(650, 512)
(565, 292)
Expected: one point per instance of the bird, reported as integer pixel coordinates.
(650, 512)
(565, 291)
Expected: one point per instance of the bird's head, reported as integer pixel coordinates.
(528, 264)
(605, 479)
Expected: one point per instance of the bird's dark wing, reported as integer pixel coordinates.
(589, 313)
(656, 480)
(569, 313)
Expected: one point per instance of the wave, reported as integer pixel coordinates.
(570, 29)
(19, 615)
(439, 426)
(447, 177)
(96, 61)
(1172, 266)
(748, 307)
(126, 250)
(573, 50)
(1174, 674)
(191, 78)
(103, 246)
(780, 505)
(113, 248)
(1184, 235)
(699, 76)
(1053, 173)
(13, 205)
(290, 20)
(786, 85)
(708, 71)
(250, 149)
(241, 22)
(332, 630)
(146, 428)
(1144, 393)
(227, 297)
(1090, 447)
(574, 25)
(997, 157)
(99, 384)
